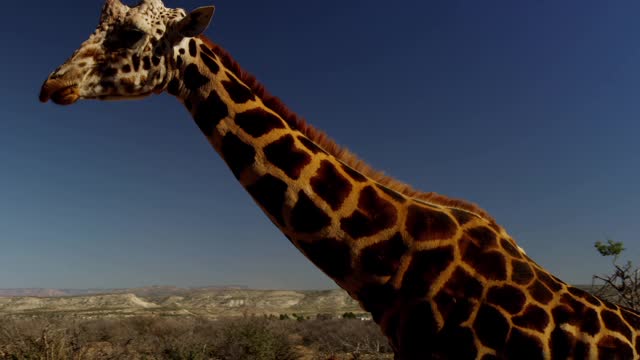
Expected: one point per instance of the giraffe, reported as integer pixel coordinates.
(440, 277)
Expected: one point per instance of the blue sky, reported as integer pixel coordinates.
(527, 108)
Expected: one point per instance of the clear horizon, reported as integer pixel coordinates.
(529, 110)
(335, 287)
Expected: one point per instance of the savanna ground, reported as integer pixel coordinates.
(177, 338)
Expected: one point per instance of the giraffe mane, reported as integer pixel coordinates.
(329, 145)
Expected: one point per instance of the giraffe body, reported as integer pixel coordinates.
(439, 276)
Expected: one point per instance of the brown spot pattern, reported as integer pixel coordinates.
(307, 217)
(461, 216)
(521, 272)
(461, 285)
(584, 295)
(207, 51)
(426, 266)
(533, 317)
(632, 318)
(283, 154)
(269, 192)
(522, 346)
(211, 64)
(612, 348)
(330, 255)
(135, 61)
(561, 343)
(414, 326)
(510, 248)
(330, 185)
(458, 298)
(549, 281)
(453, 310)
(455, 342)
(210, 112)
(425, 224)
(146, 63)
(383, 258)
(377, 299)
(193, 51)
(489, 264)
(418, 337)
(373, 215)
(540, 292)
(193, 79)
(237, 154)
(579, 312)
(258, 122)
(491, 327)
(590, 322)
(483, 236)
(612, 321)
(507, 297)
(610, 305)
(238, 92)
(563, 314)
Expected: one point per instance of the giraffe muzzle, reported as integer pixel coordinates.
(60, 91)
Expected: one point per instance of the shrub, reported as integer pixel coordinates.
(331, 337)
(623, 285)
(177, 338)
(253, 338)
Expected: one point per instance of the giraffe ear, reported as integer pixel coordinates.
(196, 22)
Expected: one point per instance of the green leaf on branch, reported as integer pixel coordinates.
(611, 248)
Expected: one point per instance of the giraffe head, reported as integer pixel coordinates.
(129, 55)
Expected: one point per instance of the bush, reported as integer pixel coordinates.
(253, 338)
(623, 285)
(349, 315)
(177, 338)
(331, 337)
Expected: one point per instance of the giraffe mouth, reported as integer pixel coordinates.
(60, 92)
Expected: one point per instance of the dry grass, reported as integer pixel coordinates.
(189, 338)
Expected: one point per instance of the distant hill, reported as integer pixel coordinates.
(212, 302)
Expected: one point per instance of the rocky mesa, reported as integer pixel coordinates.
(207, 302)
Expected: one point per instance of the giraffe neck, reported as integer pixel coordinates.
(320, 204)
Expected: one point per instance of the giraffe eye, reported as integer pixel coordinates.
(130, 37)
(124, 39)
